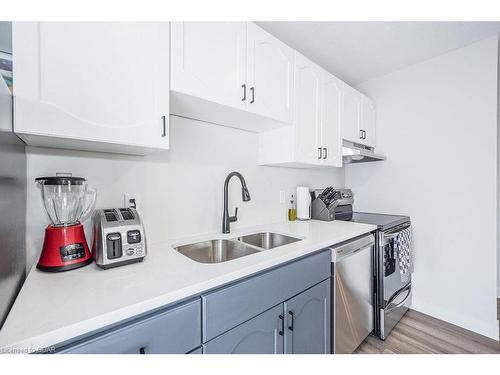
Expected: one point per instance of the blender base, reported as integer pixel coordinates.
(64, 249)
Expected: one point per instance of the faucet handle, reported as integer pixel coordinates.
(234, 218)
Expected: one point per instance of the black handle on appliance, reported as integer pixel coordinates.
(281, 332)
(142, 350)
(320, 154)
(360, 133)
(244, 87)
(252, 91)
(292, 316)
(325, 156)
(164, 120)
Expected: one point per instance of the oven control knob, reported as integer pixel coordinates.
(130, 252)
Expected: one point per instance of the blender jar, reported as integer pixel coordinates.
(67, 200)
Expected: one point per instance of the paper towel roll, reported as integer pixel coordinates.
(303, 203)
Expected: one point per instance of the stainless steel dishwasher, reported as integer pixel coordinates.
(352, 293)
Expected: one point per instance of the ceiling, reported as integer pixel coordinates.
(358, 51)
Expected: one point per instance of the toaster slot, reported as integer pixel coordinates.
(110, 215)
(114, 245)
(127, 214)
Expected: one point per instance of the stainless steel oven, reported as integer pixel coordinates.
(392, 294)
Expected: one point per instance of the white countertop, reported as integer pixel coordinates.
(55, 307)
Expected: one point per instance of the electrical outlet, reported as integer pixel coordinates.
(131, 200)
(282, 196)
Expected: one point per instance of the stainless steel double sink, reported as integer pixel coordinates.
(223, 250)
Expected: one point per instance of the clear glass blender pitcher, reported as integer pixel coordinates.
(67, 200)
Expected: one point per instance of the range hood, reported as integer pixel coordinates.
(358, 153)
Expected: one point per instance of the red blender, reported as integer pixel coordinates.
(68, 201)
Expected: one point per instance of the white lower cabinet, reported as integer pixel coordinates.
(314, 140)
(100, 86)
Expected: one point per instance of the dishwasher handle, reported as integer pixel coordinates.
(351, 247)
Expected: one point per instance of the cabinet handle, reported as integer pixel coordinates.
(360, 133)
(164, 121)
(281, 332)
(244, 87)
(292, 316)
(320, 153)
(252, 91)
(142, 350)
(326, 153)
(364, 134)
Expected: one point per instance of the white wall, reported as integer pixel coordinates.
(436, 121)
(180, 190)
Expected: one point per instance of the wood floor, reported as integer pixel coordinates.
(418, 333)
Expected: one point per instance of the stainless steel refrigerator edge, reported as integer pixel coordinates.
(12, 200)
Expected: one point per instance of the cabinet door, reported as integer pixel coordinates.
(208, 60)
(368, 121)
(259, 335)
(307, 111)
(269, 75)
(352, 115)
(331, 112)
(308, 321)
(96, 82)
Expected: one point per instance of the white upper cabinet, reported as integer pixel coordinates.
(231, 73)
(359, 117)
(315, 139)
(368, 121)
(209, 61)
(100, 86)
(352, 115)
(307, 114)
(270, 75)
(331, 120)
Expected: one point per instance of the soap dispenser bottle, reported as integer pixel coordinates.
(292, 211)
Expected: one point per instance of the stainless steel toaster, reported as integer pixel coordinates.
(118, 237)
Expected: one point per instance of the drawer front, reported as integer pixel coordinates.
(177, 330)
(226, 308)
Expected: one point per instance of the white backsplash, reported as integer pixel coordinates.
(180, 192)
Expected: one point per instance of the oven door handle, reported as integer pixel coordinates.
(398, 305)
(390, 236)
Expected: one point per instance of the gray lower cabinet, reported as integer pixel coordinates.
(301, 325)
(308, 321)
(282, 310)
(174, 330)
(259, 335)
(230, 306)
